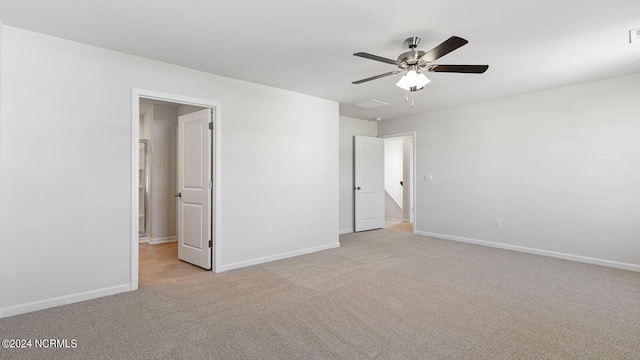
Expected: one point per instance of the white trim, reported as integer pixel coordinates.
(143, 239)
(270, 258)
(62, 300)
(345, 231)
(559, 255)
(136, 94)
(162, 240)
(414, 189)
(135, 183)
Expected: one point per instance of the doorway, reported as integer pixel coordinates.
(163, 236)
(175, 214)
(399, 181)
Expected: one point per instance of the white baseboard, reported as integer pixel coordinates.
(162, 240)
(345, 231)
(62, 300)
(143, 239)
(559, 255)
(266, 259)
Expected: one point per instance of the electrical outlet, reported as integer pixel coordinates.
(497, 223)
(299, 227)
(269, 231)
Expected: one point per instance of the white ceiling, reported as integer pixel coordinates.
(308, 46)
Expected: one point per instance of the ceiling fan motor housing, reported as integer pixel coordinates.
(412, 58)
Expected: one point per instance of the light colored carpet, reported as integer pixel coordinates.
(383, 294)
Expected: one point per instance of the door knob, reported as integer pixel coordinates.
(178, 195)
(358, 188)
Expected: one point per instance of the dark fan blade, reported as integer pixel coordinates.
(469, 69)
(377, 58)
(443, 49)
(377, 77)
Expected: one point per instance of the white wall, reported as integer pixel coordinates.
(393, 169)
(188, 109)
(146, 123)
(391, 209)
(65, 177)
(1, 51)
(560, 168)
(350, 127)
(163, 173)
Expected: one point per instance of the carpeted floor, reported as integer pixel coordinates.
(383, 294)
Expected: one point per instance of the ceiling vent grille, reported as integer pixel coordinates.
(370, 104)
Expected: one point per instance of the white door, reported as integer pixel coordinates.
(194, 188)
(369, 183)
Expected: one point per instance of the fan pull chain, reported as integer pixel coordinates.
(412, 99)
(406, 96)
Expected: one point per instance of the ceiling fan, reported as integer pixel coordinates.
(414, 61)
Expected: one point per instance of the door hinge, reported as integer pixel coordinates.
(210, 184)
(211, 126)
(210, 243)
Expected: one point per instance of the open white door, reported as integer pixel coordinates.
(369, 183)
(194, 188)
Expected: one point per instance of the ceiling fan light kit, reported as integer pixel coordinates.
(413, 81)
(413, 61)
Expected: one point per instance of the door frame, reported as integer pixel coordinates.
(412, 172)
(216, 106)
